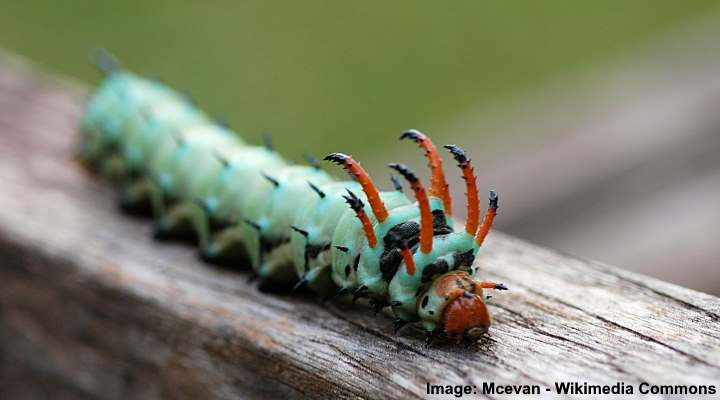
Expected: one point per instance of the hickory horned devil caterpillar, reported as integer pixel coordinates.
(293, 222)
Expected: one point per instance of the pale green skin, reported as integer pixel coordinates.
(193, 171)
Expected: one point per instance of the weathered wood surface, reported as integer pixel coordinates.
(91, 307)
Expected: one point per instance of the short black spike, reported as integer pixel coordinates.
(271, 179)
(500, 286)
(344, 249)
(406, 172)
(267, 140)
(317, 190)
(396, 182)
(223, 160)
(253, 224)
(355, 203)
(300, 231)
(222, 122)
(311, 160)
(104, 61)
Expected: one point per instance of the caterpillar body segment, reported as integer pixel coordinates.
(295, 224)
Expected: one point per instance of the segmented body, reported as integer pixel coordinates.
(295, 224)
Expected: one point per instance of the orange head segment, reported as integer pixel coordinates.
(357, 205)
(471, 191)
(488, 219)
(466, 316)
(357, 172)
(439, 186)
(426, 218)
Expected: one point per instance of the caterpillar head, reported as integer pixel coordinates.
(419, 248)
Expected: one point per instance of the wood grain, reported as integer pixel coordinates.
(91, 307)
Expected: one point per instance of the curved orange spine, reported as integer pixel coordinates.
(471, 191)
(488, 219)
(367, 228)
(371, 191)
(438, 185)
(357, 205)
(426, 218)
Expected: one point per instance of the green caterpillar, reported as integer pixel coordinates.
(295, 224)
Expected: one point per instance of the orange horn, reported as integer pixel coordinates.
(488, 219)
(426, 219)
(439, 186)
(471, 192)
(356, 171)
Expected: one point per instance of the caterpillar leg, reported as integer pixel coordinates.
(114, 167)
(135, 194)
(186, 212)
(222, 242)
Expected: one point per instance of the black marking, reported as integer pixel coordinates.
(267, 140)
(298, 230)
(342, 248)
(407, 233)
(271, 179)
(493, 200)
(253, 224)
(347, 270)
(406, 172)
(356, 262)
(463, 259)
(488, 298)
(424, 302)
(500, 286)
(337, 158)
(413, 134)
(458, 154)
(438, 267)
(317, 190)
(396, 182)
(312, 161)
(431, 312)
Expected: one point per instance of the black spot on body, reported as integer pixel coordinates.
(439, 267)
(424, 302)
(347, 270)
(407, 232)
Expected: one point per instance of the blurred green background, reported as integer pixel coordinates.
(334, 75)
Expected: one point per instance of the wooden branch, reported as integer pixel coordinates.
(90, 306)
